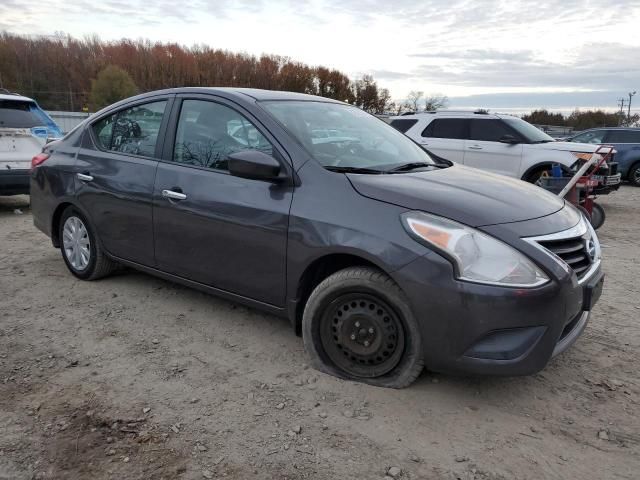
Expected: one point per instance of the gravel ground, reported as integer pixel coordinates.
(135, 377)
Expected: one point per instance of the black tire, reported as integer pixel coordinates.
(597, 216)
(634, 175)
(392, 326)
(99, 265)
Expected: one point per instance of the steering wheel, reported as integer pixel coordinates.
(352, 148)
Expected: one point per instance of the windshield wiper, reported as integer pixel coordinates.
(354, 170)
(405, 167)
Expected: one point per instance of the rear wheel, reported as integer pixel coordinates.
(357, 325)
(634, 175)
(81, 250)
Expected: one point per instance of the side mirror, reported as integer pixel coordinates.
(255, 165)
(509, 139)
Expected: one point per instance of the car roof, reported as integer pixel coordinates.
(635, 129)
(232, 93)
(450, 113)
(255, 93)
(14, 96)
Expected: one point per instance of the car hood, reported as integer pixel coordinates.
(463, 194)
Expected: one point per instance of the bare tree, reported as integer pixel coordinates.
(414, 98)
(435, 102)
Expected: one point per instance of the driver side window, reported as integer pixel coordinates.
(596, 136)
(488, 130)
(208, 132)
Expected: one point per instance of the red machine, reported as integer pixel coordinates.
(580, 188)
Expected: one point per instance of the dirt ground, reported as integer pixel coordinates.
(133, 377)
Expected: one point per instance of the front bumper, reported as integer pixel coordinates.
(478, 329)
(607, 183)
(14, 182)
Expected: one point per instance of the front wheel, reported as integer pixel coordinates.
(357, 325)
(597, 216)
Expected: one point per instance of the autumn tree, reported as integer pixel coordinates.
(111, 85)
(58, 70)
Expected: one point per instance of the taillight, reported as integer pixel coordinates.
(38, 160)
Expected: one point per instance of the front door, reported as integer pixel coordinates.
(115, 172)
(223, 231)
(485, 151)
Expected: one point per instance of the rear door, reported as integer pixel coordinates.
(115, 171)
(445, 137)
(211, 227)
(485, 151)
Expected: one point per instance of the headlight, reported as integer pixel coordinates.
(596, 253)
(477, 257)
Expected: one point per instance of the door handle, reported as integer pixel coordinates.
(475, 147)
(84, 177)
(173, 195)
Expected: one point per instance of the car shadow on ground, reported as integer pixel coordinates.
(9, 205)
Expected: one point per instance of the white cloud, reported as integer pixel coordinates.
(457, 47)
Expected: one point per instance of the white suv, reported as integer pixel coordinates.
(497, 143)
(24, 129)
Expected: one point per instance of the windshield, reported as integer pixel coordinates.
(339, 135)
(529, 132)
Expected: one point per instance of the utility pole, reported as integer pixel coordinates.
(621, 102)
(631, 94)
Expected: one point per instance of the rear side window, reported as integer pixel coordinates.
(488, 130)
(18, 114)
(402, 125)
(624, 136)
(133, 130)
(446, 128)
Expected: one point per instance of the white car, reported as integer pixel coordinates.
(501, 144)
(24, 129)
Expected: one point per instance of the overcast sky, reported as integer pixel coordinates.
(555, 53)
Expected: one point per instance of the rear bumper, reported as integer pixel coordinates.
(477, 329)
(14, 182)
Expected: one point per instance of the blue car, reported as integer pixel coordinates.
(627, 144)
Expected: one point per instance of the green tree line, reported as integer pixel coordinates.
(580, 119)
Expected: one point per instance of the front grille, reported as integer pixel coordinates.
(573, 251)
(613, 168)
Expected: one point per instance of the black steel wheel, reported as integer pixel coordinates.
(358, 325)
(362, 335)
